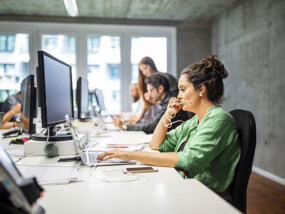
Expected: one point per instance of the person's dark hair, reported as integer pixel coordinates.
(158, 79)
(209, 72)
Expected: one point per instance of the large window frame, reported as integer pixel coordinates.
(81, 33)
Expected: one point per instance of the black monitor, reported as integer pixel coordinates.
(28, 104)
(54, 84)
(17, 194)
(82, 99)
(100, 100)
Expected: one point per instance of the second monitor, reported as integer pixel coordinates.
(82, 99)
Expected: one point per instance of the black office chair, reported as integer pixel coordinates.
(247, 135)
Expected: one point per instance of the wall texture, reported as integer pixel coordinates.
(193, 43)
(250, 40)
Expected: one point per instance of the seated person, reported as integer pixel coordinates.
(10, 102)
(205, 147)
(147, 67)
(137, 106)
(158, 88)
(7, 121)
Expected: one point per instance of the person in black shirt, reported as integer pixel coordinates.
(158, 88)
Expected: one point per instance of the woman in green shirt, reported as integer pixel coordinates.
(205, 147)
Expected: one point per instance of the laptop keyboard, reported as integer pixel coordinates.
(93, 158)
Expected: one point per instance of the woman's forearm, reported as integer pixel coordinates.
(168, 159)
(159, 134)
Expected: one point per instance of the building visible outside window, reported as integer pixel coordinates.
(14, 62)
(104, 61)
(154, 47)
(7, 43)
(93, 44)
(71, 44)
(93, 69)
(113, 71)
(62, 47)
(115, 42)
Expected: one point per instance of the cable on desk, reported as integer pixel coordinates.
(106, 176)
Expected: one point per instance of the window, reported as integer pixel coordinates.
(14, 62)
(154, 47)
(71, 44)
(93, 69)
(93, 44)
(103, 70)
(109, 58)
(7, 43)
(49, 43)
(62, 47)
(115, 42)
(113, 71)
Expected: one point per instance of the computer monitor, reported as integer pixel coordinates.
(82, 99)
(16, 193)
(28, 104)
(100, 100)
(54, 84)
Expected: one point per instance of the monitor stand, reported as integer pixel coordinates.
(84, 116)
(52, 135)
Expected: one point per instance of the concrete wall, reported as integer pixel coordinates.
(193, 43)
(250, 41)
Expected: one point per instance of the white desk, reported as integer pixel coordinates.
(160, 192)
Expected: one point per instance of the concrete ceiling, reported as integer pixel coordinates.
(121, 9)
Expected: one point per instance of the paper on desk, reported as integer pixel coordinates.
(104, 147)
(50, 174)
(128, 140)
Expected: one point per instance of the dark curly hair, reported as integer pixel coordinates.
(209, 72)
(158, 79)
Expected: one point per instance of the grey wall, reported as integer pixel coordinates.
(193, 43)
(250, 41)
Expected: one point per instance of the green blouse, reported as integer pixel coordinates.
(212, 150)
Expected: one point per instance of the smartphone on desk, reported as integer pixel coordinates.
(139, 170)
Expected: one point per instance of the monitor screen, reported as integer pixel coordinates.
(56, 98)
(28, 104)
(100, 99)
(82, 98)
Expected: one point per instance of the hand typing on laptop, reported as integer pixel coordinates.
(118, 154)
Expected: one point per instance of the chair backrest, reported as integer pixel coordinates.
(247, 135)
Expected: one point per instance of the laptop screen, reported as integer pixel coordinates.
(74, 134)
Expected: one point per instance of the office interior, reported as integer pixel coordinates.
(247, 35)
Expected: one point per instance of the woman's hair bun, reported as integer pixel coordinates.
(213, 63)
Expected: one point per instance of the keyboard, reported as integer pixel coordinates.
(92, 156)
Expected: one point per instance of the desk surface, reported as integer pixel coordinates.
(164, 191)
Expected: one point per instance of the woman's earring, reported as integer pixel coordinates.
(200, 94)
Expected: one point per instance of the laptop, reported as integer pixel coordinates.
(89, 158)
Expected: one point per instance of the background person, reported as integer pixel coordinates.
(10, 102)
(205, 147)
(158, 88)
(7, 121)
(147, 67)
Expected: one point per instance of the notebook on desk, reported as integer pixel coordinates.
(89, 158)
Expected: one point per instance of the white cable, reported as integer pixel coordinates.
(108, 176)
(170, 117)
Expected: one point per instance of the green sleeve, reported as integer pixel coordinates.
(171, 139)
(205, 146)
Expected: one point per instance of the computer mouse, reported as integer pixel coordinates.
(51, 150)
